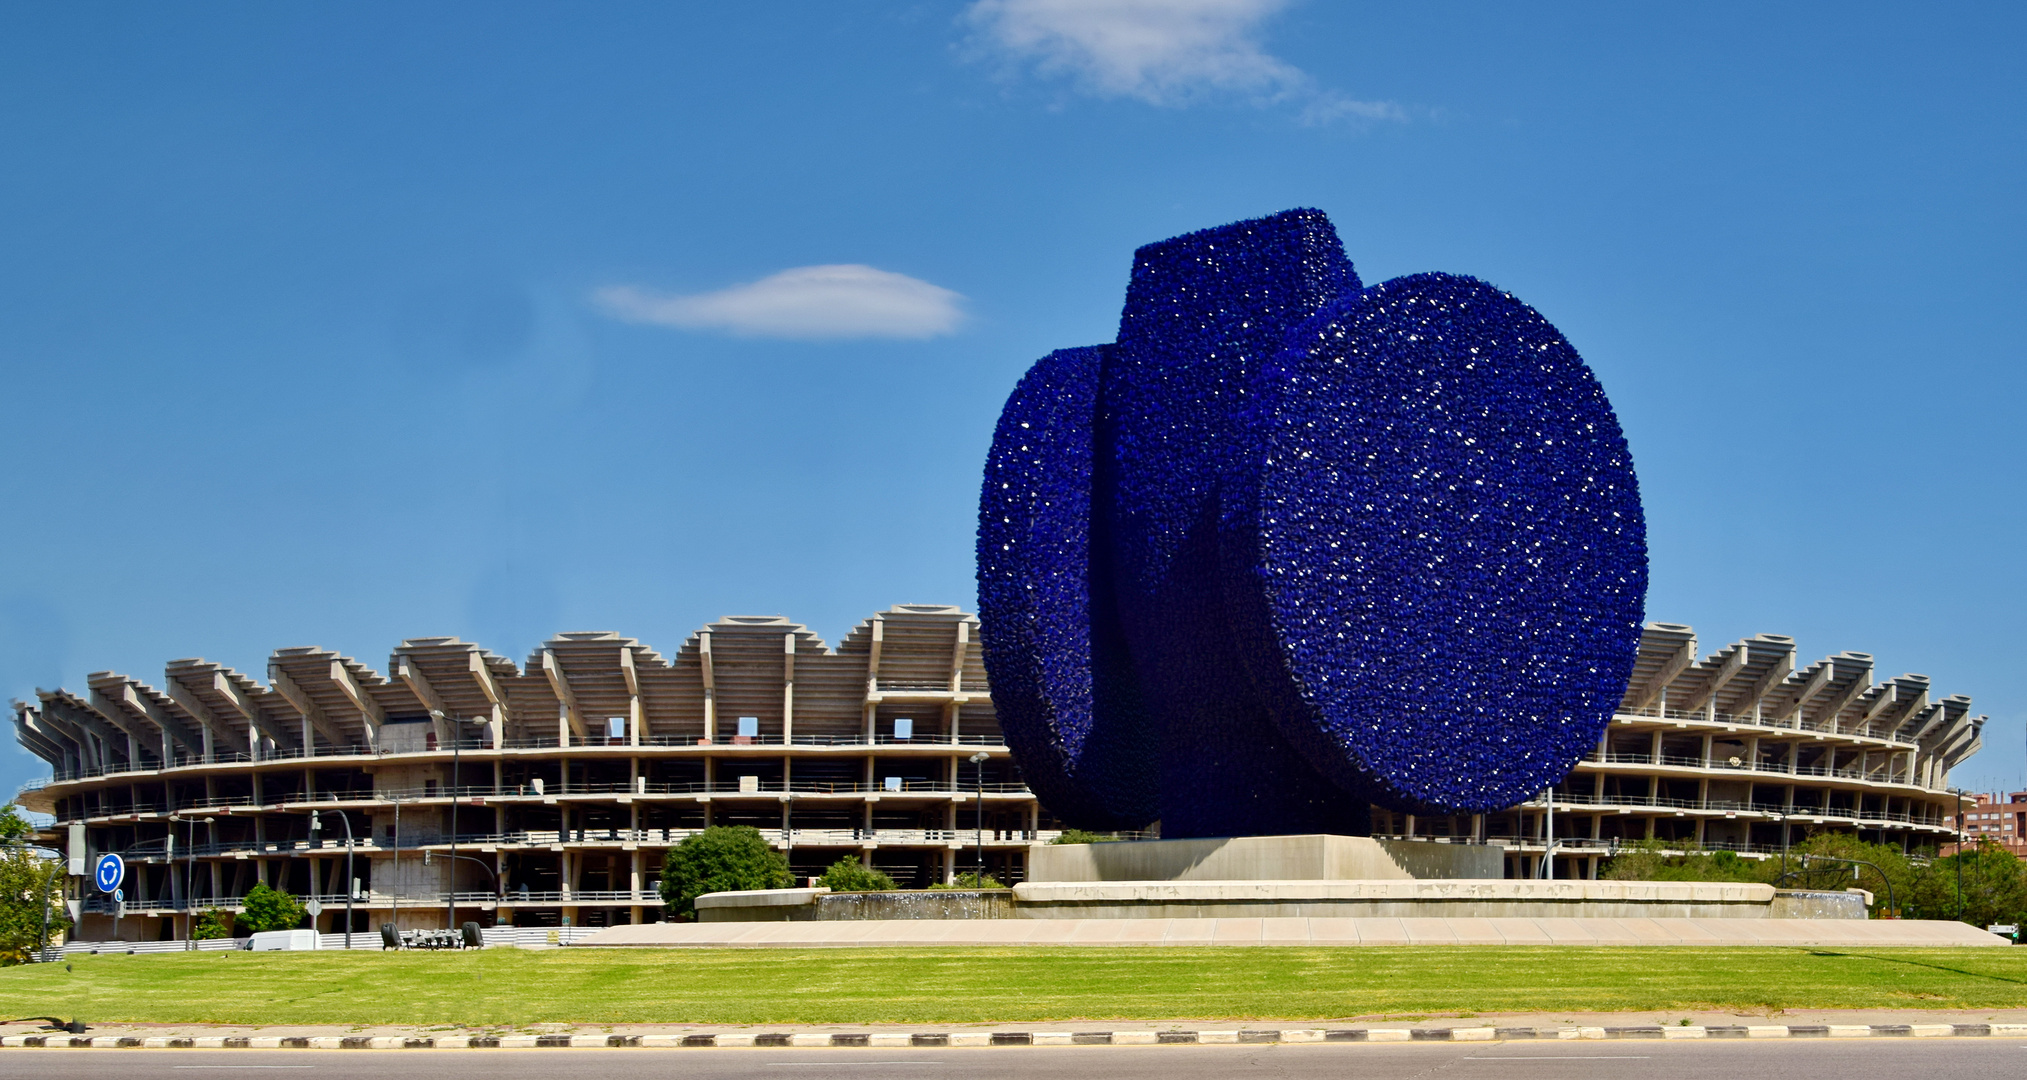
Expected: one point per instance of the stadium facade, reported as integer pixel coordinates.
(559, 784)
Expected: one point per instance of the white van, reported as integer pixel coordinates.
(283, 941)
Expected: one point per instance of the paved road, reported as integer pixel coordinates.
(1866, 1059)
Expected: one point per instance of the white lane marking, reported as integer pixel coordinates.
(242, 1066)
(1563, 1057)
(784, 1064)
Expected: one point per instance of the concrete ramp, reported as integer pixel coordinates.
(1815, 933)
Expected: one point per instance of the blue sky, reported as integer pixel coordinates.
(334, 325)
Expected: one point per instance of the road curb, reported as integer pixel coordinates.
(1204, 1036)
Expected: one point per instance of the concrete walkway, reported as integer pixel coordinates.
(1841, 933)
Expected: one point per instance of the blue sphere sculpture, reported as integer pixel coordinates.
(1291, 547)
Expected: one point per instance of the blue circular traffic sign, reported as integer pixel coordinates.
(111, 870)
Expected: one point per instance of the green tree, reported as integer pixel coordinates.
(722, 858)
(1081, 836)
(266, 908)
(970, 879)
(1646, 860)
(1993, 889)
(14, 826)
(212, 924)
(27, 883)
(851, 875)
(1986, 884)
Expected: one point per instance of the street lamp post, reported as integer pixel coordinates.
(1892, 905)
(317, 825)
(1547, 868)
(394, 886)
(190, 875)
(1959, 860)
(978, 763)
(457, 742)
(1783, 815)
(788, 831)
(480, 863)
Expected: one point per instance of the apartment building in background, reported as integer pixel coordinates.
(1998, 817)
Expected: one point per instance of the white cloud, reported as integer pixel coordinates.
(843, 301)
(1156, 50)
(1164, 52)
(1330, 108)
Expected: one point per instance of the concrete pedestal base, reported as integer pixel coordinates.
(1396, 899)
(1284, 877)
(1833, 933)
(1312, 857)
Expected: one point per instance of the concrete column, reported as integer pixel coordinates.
(1654, 753)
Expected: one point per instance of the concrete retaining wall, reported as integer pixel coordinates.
(823, 905)
(1402, 899)
(1311, 857)
(1472, 898)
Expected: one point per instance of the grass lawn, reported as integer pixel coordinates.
(509, 987)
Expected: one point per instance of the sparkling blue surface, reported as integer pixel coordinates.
(1291, 546)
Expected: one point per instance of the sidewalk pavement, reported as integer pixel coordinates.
(1826, 1023)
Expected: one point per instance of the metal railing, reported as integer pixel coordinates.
(1733, 806)
(1878, 775)
(928, 686)
(775, 837)
(575, 742)
(1770, 723)
(479, 792)
(293, 848)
